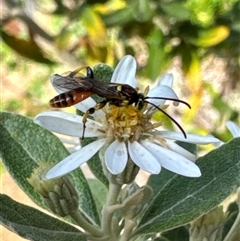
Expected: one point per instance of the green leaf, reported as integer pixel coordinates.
(99, 192)
(87, 204)
(119, 17)
(184, 199)
(143, 10)
(217, 102)
(94, 25)
(175, 233)
(188, 146)
(32, 224)
(157, 59)
(28, 49)
(176, 10)
(96, 168)
(24, 145)
(157, 182)
(161, 239)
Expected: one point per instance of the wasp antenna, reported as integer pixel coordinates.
(165, 113)
(73, 73)
(166, 98)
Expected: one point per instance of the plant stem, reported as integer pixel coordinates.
(107, 214)
(93, 230)
(128, 227)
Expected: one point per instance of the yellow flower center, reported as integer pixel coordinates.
(126, 122)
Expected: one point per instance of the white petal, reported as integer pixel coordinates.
(161, 91)
(216, 145)
(176, 148)
(143, 158)
(172, 160)
(75, 160)
(99, 115)
(191, 138)
(125, 71)
(72, 144)
(233, 128)
(116, 157)
(73, 148)
(166, 79)
(68, 124)
(85, 104)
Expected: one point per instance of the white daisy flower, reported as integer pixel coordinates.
(233, 128)
(126, 131)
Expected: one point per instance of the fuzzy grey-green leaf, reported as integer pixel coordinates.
(99, 192)
(24, 145)
(184, 199)
(32, 224)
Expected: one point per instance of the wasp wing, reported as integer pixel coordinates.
(81, 84)
(66, 83)
(107, 90)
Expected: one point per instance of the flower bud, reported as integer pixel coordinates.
(58, 194)
(103, 72)
(128, 191)
(134, 198)
(209, 226)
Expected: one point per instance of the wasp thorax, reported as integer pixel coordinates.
(125, 122)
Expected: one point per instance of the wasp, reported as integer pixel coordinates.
(76, 88)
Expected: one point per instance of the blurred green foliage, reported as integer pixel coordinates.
(44, 37)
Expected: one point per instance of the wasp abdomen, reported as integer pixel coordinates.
(69, 98)
(62, 100)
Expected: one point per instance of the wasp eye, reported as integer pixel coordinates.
(90, 73)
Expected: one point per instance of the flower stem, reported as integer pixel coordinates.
(108, 211)
(93, 230)
(128, 227)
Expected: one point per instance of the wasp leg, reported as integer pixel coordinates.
(90, 111)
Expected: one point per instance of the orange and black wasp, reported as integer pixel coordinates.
(77, 88)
